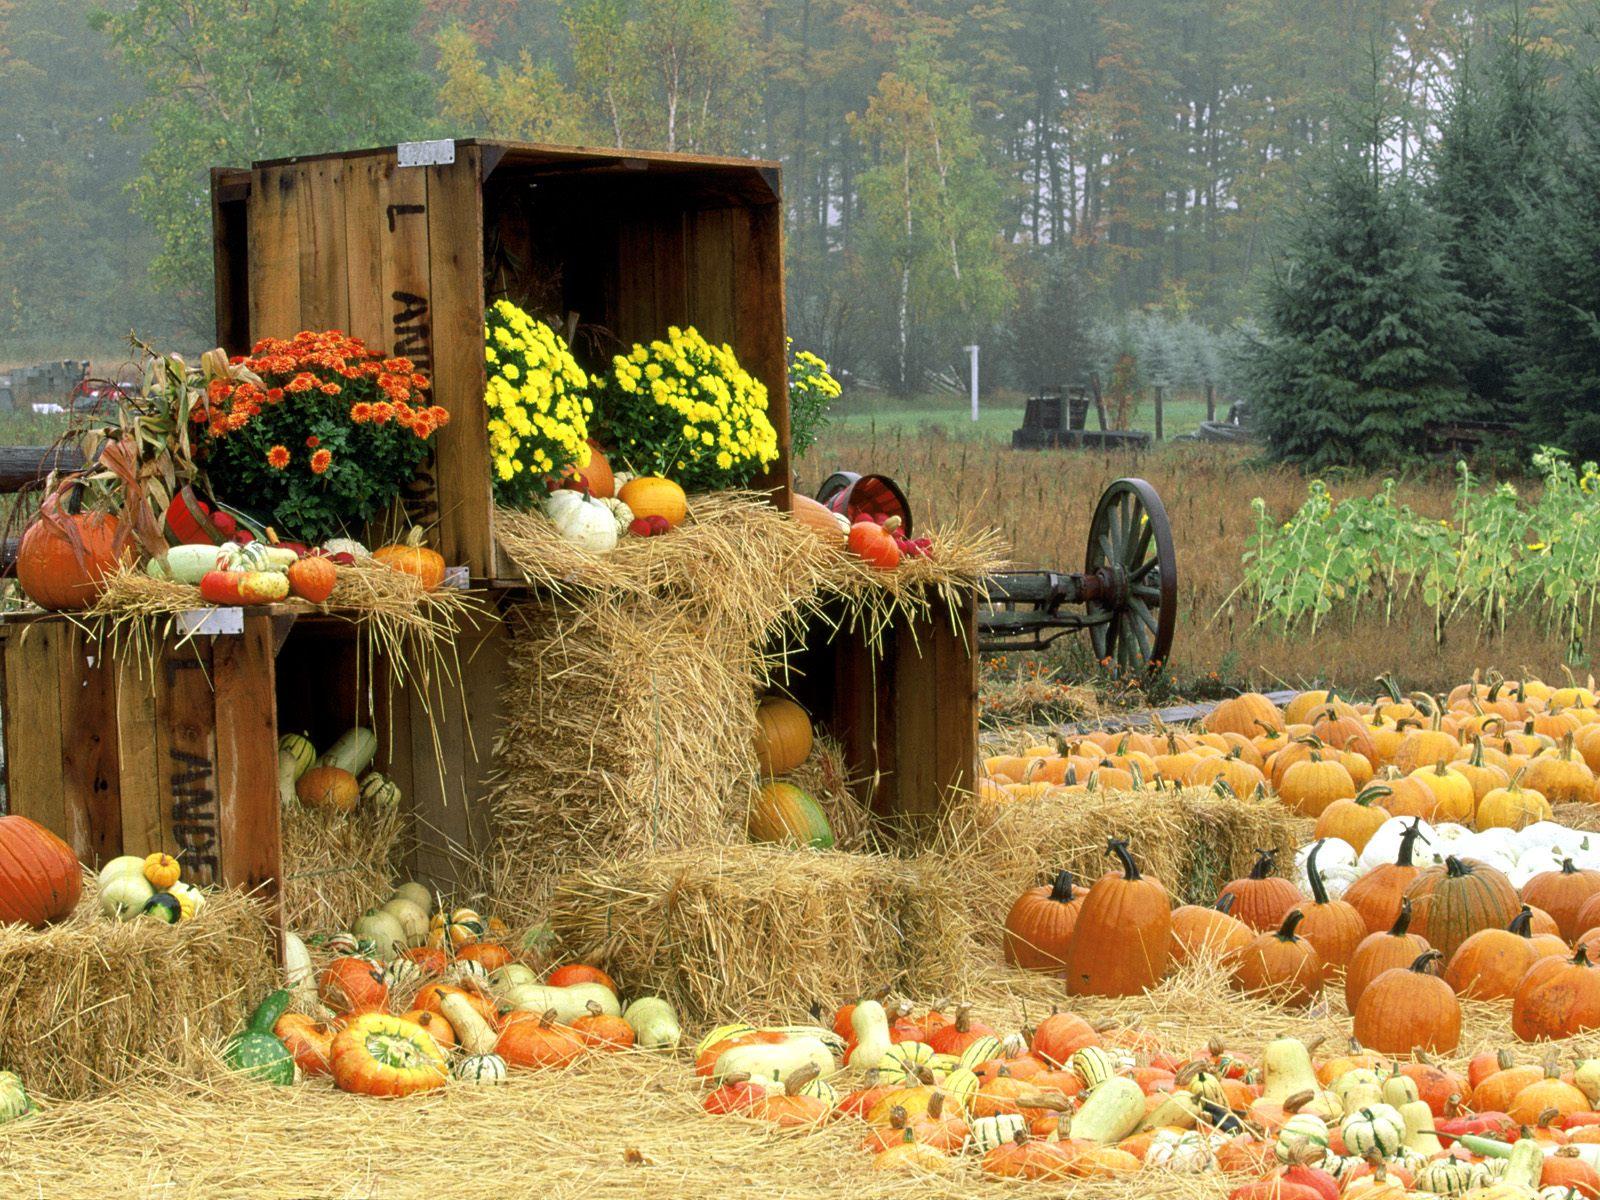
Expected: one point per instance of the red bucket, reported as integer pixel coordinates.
(865, 497)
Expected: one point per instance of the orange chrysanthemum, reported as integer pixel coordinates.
(313, 442)
(278, 457)
(321, 461)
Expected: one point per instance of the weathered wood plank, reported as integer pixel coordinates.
(246, 765)
(275, 253)
(186, 780)
(461, 455)
(762, 336)
(408, 299)
(89, 776)
(364, 222)
(33, 725)
(138, 753)
(955, 696)
(324, 261)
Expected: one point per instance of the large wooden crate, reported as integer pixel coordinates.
(407, 258)
(132, 752)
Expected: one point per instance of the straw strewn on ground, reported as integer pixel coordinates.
(90, 1003)
(336, 866)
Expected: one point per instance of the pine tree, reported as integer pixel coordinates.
(1558, 383)
(1355, 358)
(1049, 334)
(1500, 134)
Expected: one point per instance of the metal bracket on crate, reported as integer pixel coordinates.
(440, 153)
(210, 621)
(457, 577)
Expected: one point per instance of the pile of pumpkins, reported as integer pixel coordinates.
(1406, 941)
(336, 781)
(1071, 1100)
(593, 507)
(1489, 756)
(783, 812)
(130, 886)
(411, 997)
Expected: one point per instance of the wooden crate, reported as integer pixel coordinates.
(407, 258)
(123, 753)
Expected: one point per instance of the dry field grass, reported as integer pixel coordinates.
(1042, 502)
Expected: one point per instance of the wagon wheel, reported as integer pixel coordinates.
(1133, 600)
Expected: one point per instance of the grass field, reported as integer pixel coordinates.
(1042, 501)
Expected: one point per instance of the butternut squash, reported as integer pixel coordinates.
(1113, 1111)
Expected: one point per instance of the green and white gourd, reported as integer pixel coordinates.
(14, 1100)
(341, 943)
(379, 791)
(980, 1051)
(821, 1089)
(1377, 1127)
(1450, 1177)
(296, 756)
(485, 1069)
(401, 973)
(468, 972)
(1304, 1137)
(988, 1132)
(1181, 1153)
(1092, 1065)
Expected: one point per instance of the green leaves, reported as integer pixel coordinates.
(1496, 553)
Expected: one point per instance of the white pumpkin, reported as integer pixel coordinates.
(1303, 1138)
(127, 864)
(1384, 847)
(1534, 862)
(582, 520)
(1182, 1153)
(1377, 1127)
(1449, 833)
(384, 930)
(1337, 863)
(125, 896)
(416, 893)
(1542, 833)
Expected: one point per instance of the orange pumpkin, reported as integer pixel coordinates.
(1380, 952)
(601, 1031)
(491, 955)
(1557, 998)
(1281, 964)
(596, 478)
(40, 880)
(313, 578)
(412, 558)
(1262, 898)
(529, 1040)
(652, 496)
(1123, 939)
(308, 1040)
(1491, 963)
(1452, 902)
(332, 789)
(1198, 930)
(1377, 894)
(353, 985)
(1334, 927)
(437, 1026)
(1061, 1035)
(571, 973)
(65, 557)
(783, 736)
(1027, 1157)
(1563, 895)
(1407, 1008)
(1039, 926)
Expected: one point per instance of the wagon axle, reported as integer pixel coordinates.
(1128, 588)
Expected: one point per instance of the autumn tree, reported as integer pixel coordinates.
(929, 249)
(228, 82)
(525, 101)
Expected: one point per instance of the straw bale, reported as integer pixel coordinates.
(741, 931)
(631, 693)
(336, 866)
(90, 1003)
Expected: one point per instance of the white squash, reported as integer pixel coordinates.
(989, 1132)
(299, 976)
(1380, 1128)
(776, 1061)
(472, 1031)
(1538, 861)
(582, 520)
(1384, 845)
(569, 1003)
(512, 975)
(384, 930)
(1112, 1111)
(654, 1024)
(1181, 1153)
(1303, 1138)
(417, 894)
(1546, 834)
(190, 897)
(412, 919)
(481, 1069)
(1337, 863)
(186, 564)
(125, 896)
(127, 864)
(870, 1024)
(353, 751)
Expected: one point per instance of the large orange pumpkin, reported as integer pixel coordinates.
(529, 1040)
(1123, 939)
(596, 478)
(1452, 902)
(332, 789)
(1408, 1008)
(783, 736)
(65, 557)
(1377, 894)
(40, 880)
(1491, 963)
(1334, 927)
(1263, 899)
(1039, 925)
(1281, 964)
(1380, 952)
(652, 496)
(1563, 894)
(352, 984)
(1557, 998)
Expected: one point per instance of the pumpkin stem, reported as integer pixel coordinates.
(1319, 890)
(1403, 921)
(1298, 1101)
(935, 1105)
(1425, 960)
(897, 1117)
(798, 1080)
(1263, 864)
(1567, 868)
(1408, 839)
(1061, 891)
(1581, 958)
(1119, 847)
(1454, 867)
(1286, 930)
(1225, 904)
(1373, 791)
(1522, 923)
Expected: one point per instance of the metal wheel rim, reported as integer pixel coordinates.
(1130, 528)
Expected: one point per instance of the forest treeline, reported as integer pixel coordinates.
(1066, 182)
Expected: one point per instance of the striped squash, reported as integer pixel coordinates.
(783, 813)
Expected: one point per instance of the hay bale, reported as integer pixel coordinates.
(336, 866)
(753, 932)
(91, 1002)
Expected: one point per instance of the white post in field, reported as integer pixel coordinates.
(973, 350)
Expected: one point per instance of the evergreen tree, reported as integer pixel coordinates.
(1500, 134)
(1558, 383)
(1359, 328)
(1049, 336)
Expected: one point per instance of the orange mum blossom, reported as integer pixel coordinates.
(321, 461)
(278, 457)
